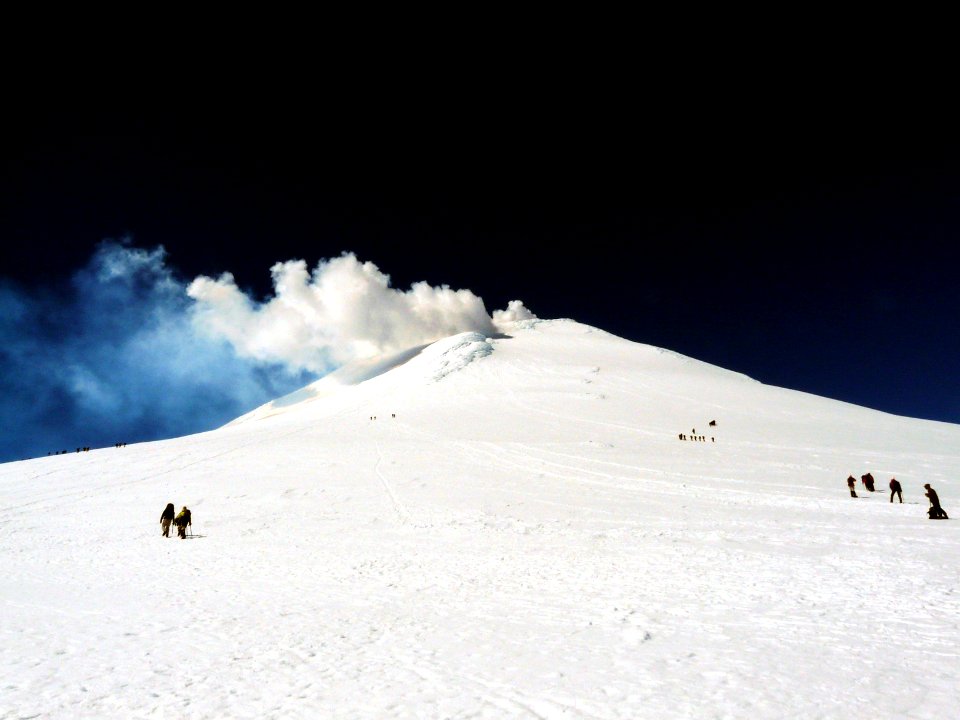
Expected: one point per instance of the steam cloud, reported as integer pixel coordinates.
(345, 309)
(128, 351)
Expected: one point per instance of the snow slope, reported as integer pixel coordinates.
(528, 537)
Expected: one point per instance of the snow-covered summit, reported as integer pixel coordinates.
(654, 390)
(503, 525)
(416, 366)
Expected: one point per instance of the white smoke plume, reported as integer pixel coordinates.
(114, 355)
(515, 312)
(343, 310)
(121, 352)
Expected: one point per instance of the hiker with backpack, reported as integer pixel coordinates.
(935, 512)
(895, 489)
(181, 521)
(867, 481)
(852, 484)
(166, 517)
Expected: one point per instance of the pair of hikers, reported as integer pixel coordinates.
(181, 520)
(935, 512)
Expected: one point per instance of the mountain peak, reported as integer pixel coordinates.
(536, 522)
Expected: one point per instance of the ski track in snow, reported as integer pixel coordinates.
(397, 505)
(527, 538)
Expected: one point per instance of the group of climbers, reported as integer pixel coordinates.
(896, 490)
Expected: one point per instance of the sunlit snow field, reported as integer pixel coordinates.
(528, 537)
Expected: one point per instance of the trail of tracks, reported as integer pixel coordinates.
(398, 506)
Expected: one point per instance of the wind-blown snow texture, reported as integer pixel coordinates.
(527, 538)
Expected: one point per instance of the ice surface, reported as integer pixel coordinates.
(528, 537)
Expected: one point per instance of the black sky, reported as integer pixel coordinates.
(802, 251)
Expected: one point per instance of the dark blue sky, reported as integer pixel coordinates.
(816, 259)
